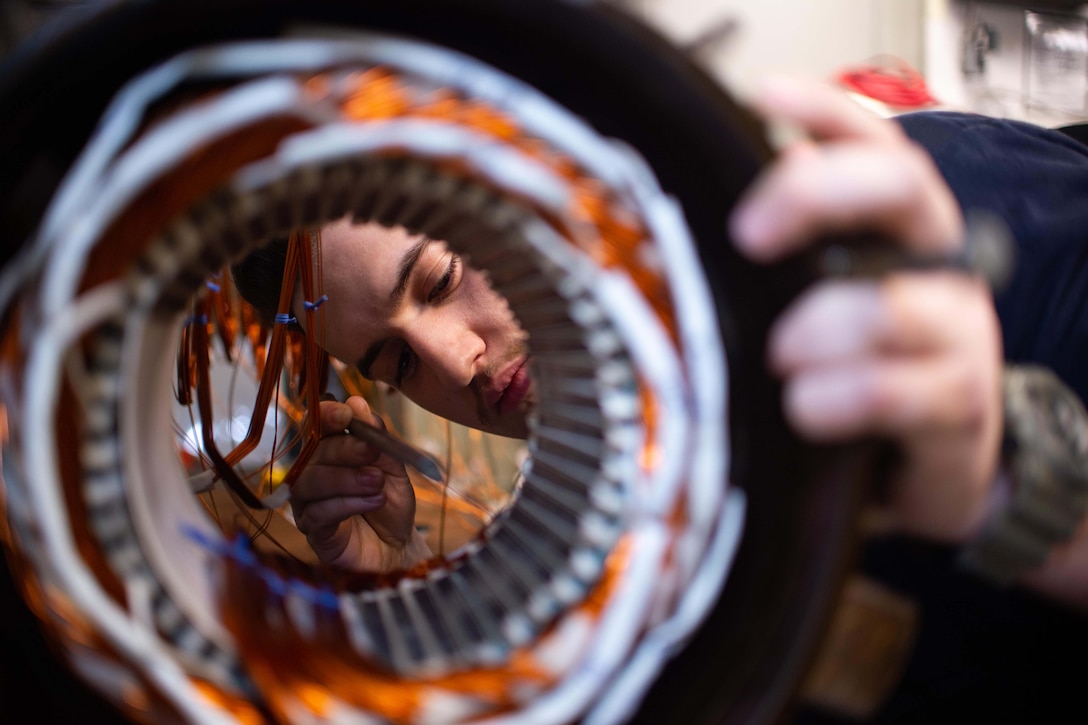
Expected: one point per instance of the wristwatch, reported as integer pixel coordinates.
(1045, 455)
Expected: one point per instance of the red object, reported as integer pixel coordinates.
(899, 85)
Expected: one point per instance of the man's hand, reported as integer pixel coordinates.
(914, 356)
(354, 503)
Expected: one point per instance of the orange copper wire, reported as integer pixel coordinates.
(378, 94)
(242, 710)
(165, 199)
(225, 322)
(315, 359)
(186, 368)
(223, 468)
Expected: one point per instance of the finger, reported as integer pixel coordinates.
(387, 463)
(823, 111)
(833, 321)
(361, 410)
(322, 482)
(343, 450)
(334, 417)
(837, 321)
(897, 397)
(328, 514)
(892, 190)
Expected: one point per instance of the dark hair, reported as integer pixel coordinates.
(259, 275)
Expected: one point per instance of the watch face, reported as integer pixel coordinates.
(1067, 424)
(1049, 416)
(1067, 421)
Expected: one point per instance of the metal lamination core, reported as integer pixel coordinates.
(569, 512)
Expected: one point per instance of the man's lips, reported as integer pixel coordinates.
(511, 387)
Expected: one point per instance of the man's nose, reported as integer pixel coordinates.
(450, 350)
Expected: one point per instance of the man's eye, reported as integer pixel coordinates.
(445, 282)
(405, 365)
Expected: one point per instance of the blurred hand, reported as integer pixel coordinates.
(355, 503)
(913, 356)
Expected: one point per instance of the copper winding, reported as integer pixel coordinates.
(319, 667)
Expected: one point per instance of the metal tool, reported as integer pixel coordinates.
(988, 252)
(406, 454)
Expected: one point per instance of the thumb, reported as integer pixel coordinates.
(334, 417)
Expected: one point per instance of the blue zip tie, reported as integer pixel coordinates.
(284, 319)
(242, 553)
(197, 319)
(201, 538)
(212, 286)
(307, 305)
(275, 585)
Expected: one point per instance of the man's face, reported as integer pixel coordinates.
(406, 310)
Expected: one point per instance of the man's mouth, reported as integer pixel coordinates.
(511, 387)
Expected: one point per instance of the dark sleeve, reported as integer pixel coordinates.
(1037, 181)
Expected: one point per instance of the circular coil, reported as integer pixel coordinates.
(606, 532)
(620, 612)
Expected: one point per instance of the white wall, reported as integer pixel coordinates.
(815, 38)
(819, 38)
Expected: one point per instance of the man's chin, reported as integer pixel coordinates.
(513, 425)
(519, 430)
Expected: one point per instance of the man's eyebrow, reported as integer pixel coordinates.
(404, 273)
(404, 270)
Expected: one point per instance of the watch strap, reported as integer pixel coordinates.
(1046, 461)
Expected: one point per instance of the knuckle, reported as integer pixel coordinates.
(877, 397)
(915, 159)
(915, 178)
(796, 189)
(893, 132)
(898, 300)
(917, 166)
(329, 412)
(921, 307)
(302, 521)
(317, 518)
(974, 408)
(972, 394)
